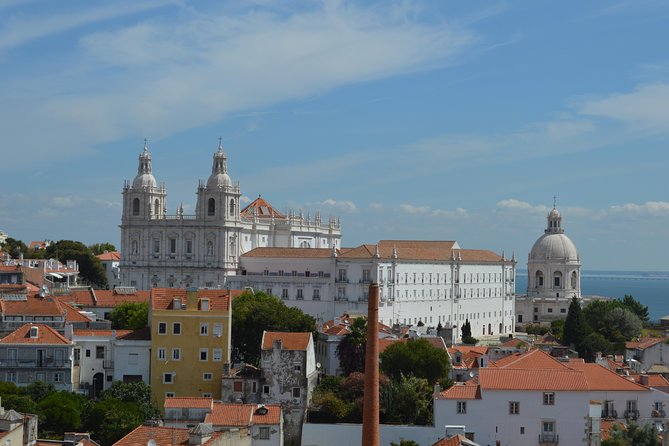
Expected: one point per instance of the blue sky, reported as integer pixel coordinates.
(410, 120)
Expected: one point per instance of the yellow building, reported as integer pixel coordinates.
(190, 341)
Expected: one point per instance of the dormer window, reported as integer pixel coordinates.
(34, 332)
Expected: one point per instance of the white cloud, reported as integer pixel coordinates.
(647, 208)
(427, 210)
(519, 205)
(376, 206)
(341, 205)
(244, 199)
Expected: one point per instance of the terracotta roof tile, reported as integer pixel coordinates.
(385, 343)
(455, 440)
(188, 402)
(103, 298)
(163, 436)
(421, 250)
(289, 341)
(45, 335)
(469, 390)
(101, 333)
(532, 359)
(33, 306)
(644, 343)
(219, 300)
(532, 379)
(261, 209)
(298, 253)
(601, 378)
(240, 415)
(143, 334)
(112, 255)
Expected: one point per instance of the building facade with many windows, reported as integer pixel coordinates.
(180, 250)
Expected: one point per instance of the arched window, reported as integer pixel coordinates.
(211, 207)
(135, 247)
(574, 279)
(489, 329)
(232, 207)
(539, 279)
(557, 279)
(210, 248)
(156, 207)
(135, 206)
(305, 244)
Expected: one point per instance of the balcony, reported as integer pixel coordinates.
(610, 414)
(365, 281)
(42, 363)
(341, 280)
(632, 414)
(548, 439)
(108, 364)
(341, 298)
(657, 413)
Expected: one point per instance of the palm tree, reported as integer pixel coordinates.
(351, 349)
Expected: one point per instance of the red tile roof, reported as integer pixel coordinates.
(219, 300)
(289, 341)
(601, 378)
(177, 402)
(112, 255)
(469, 390)
(387, 342)
(420, 250)
(102, 333)
(32, 306)
(45, 335)
(102, 298)
(532, 359)
(261, 209)
(455, 440)
(163, 436)
(240, 415)
(532, 379)
(643, 343)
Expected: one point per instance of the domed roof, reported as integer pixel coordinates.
(144, 180)
(554, 246)
(554, 213)
(219, 180)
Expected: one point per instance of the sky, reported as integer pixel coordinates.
(429, 120)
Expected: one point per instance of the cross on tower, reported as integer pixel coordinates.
(554, 200)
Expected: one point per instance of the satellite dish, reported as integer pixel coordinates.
(318, 365)
(471, 374)
(151, 442)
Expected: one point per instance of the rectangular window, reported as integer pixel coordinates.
(218, 330)
(58, 377)
(189, 246)
(284, 293)
(297, 367)
(162, 328)
(207, 376)
(462, 407)
(549, 398)
(317, 294)
(176, 354)
(366, 276)
(173, 246)
(169, 394)
(265, 390)
(217, 354)
(204, 354)
(514, 407)
(237, 386)
(263, 433)
(204, 329)
(88, 352)
(99, 352)
(161, 354)
(11, 377)
(300, 294)
(176, 328)
(167, 378)
(296, 392)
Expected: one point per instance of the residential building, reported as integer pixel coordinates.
(102, 302)
(190, 341)
(648, 354)
(111, 262)
(37, 352)
(69, 439)
(181, 411)
(289, 373)
(533, 398)
(241, 384)
(431, 282)
(132, 356)
(178, 250)
(199, 435)
(12, 280)
(17, 428)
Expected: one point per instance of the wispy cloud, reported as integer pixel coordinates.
(428, 211)
(340, 205)
(652, 208)
(519, 205)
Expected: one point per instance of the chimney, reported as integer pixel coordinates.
(643, 380)
(370, 407)
(191, 298)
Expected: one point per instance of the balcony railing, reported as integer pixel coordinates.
(365, 281)
(612, 413)
(632, 414)
(341, 298)
(21, 363)
(341, 280)
(657, 413)
(547, 438)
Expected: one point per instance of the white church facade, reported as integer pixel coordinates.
(179, 250)
(433, 282)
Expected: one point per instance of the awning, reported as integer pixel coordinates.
(56, 275)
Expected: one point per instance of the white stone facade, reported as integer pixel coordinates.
(419, 281)
(161, 250)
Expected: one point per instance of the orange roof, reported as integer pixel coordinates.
(513, 343)
(297, 253)
(103, 298)
(606, 427)
(219, 300)
(33, 306)
(532, 359)
(240, 415)
(177, 402)
(10, 268)
(532, 379)
(45, 335)
(387, 342)
(289, 341)
(469, 390)
(653, 380)
(163, 436)
(601, 378)
(106, 256)
(420, 250)
(102, 333)
(455, 440)
(38, 245)
(261, 209)
(643, 343)
(74, 315)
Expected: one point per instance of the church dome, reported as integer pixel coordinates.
(144, 176)
(144, 180)
(219, 180)
(219, 170)
(554, 246)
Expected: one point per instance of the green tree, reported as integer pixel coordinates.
(20, 403)
(14, 247)
(636, 307)
(623, 321)
(417, 358)
(408, 400)
(593, 343)
(61, 411)
(466, 331)
(90, 268)
(254, 312)
(39, 390)
(557, 328)
(575, 328)
(633, 435)
(130, 316)
(404, 443)
(101, 248)
(111, 419)
(136, 392)
(351, 349)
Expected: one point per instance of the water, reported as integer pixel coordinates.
(651, 288)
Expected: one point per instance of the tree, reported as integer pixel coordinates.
(633, 435)
(101, 248)
(14, 247)
(557, 328)
(111, 419)
(130, 316)
(466, 331)
(137, 392)
(39, 390)
(408, 400)
(404, 443)
(351, 349)
(254, 312)
(589, 346)
(61, 411)
(636, 307)
(416, 358)
(90, 268)
(575, 328)
(623, 321)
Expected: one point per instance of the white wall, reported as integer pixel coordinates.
(351, 434)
